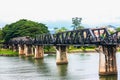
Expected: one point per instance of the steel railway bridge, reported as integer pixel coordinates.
(99, 37)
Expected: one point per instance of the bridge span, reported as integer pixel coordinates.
(99, 37)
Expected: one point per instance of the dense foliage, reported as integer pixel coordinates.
(23, 27)
(62, 29)
(0, 35)
(77, 23)
(118, 29)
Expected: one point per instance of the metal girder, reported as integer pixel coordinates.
(97, 36)
(113, 38)
(83, 36)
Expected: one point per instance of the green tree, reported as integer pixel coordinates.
(23, 27)
(62, 29)
(118, 29)
(76, 23)
(1, 35)
(80, 27)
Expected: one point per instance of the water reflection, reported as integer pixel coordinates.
(62, 70)
(111, 77)
(80, 67)
(39, 62)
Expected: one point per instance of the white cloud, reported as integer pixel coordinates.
(92, 11)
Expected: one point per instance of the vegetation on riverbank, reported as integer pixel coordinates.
(71, 49)
(49, 49)
(7, 52)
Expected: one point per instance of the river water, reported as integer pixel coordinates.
(81, 66)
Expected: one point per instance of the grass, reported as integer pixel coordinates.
(72, 49)
(81, 50)
(7, 52)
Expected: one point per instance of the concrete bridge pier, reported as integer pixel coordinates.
(61, 55)
(39, 52)
(28, 50)
(15, 47)
(33, 50)
(21, 49)
(10, 47)
(107, 60)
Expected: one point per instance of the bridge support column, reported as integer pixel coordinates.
(33, 50)
(107, 59)
(28, 50)
(15, 47)
(61, 55)
(21, 49)
(10, 47)
(39, 52)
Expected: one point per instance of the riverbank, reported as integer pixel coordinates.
(75, 51)
(81, 50)
(7, 52)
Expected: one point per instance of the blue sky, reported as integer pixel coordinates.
(59, 13)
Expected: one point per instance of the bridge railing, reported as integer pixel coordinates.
(113, 38)
(98, 36)
(44, 39)
(80, 37)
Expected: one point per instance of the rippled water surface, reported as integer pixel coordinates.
(80, 67)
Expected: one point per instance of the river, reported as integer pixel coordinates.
(81, 66)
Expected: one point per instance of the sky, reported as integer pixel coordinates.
(59, 13)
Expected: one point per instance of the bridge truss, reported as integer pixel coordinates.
(98, 36)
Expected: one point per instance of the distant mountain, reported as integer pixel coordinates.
(111, 26)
